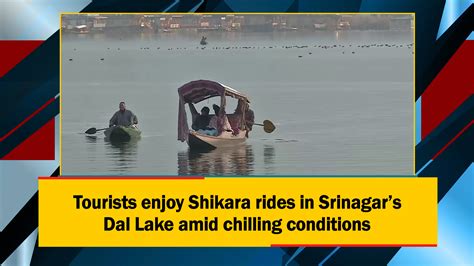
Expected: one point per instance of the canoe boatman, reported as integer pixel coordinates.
(123, 117)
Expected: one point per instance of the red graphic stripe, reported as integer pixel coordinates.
(449, 89)
(352, 245)
(453, 139)
(122, 178)
(38, 146)
(13, 52)
(26, 119)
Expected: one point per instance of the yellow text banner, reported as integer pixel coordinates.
(237, 212)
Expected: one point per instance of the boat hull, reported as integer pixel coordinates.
(204, 142)
(121, 133)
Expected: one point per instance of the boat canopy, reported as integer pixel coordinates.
(200, 90)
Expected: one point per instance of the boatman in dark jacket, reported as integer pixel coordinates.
(123, 117)
(249, 121)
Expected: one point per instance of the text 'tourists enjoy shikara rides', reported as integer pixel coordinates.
(200, 90)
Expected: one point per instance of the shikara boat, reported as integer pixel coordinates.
(200, 90)
(122, 134)
(203, 141)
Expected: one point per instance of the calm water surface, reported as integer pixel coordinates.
(343, 110)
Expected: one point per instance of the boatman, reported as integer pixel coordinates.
(249, 116)
(249, 121)
(123, 117)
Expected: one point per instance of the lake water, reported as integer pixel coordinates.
(343, 110)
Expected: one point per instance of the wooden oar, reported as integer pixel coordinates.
(94, 130)
(267, 125)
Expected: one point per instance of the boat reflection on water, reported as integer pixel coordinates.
(91, 139)
(123, 155)
(269, 159)
(237, 160)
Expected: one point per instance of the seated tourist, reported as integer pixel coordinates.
(220, 123)
(200, 121)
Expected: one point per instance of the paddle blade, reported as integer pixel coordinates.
(268, 126)
(91, 130)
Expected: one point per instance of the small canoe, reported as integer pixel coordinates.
(200, 141)
(121, 133)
